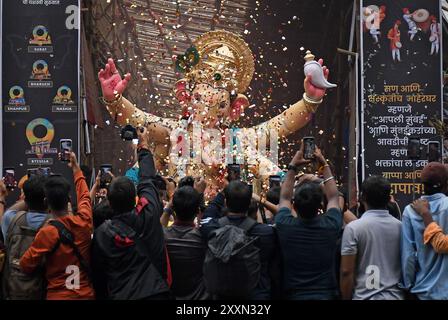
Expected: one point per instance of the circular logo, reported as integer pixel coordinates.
(16, 92)
(33, 125)
(40, 33)
(64, 93)
(40, 66)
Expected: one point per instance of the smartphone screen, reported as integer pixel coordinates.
(106, 178)
(65, 149)
(274, 181)
(309, 147)
(233, 172)
(9, 177)
(106, 169)
(414, 148)
(44, 171)
(434, 151)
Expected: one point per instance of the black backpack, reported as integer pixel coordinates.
(232, 263)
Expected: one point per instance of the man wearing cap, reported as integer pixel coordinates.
(425, 272)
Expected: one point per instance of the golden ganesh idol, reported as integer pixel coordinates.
(217, 71)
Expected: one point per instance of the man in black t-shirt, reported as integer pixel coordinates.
(309, 242)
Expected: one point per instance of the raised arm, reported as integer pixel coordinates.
(147, 169)
(268, 205)
(433, 232)
(123, 111)
(82, 191)
(287, 190)
(330, 188)
(298, 114)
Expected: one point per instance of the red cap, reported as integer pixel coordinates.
(405, 10)
(434, 174)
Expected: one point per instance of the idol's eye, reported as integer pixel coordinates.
(197, 96)
(217, 76)
(222, 105)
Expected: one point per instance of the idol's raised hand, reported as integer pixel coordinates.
(112, 84)
(311, 90)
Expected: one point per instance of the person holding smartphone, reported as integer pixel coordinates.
(51, 245)
(309, 242)
(129, 259)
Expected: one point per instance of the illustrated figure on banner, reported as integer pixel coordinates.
(373, 17)
(409, 18)
(434, 37)
(394, 36)
(217, 70)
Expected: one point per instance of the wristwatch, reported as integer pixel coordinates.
(293, 167)
(169, 211)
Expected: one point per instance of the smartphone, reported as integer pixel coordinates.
(414, 150)
(44, 171)
(106, 178)
(274, 181)
(434, 151)
(309, 148)
(251, 188)
(65, 149)
(9, 178)
(233, 172)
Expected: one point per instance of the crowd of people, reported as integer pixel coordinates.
(149, 237)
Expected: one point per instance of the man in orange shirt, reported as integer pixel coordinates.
(394, 36)
(66, 263)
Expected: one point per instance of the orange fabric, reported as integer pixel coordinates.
(434, 234)
(81, 225)
(394, 36)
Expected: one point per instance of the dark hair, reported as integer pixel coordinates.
(238, 196)
(308, 200)
(273, 195)
(431, 189)
(121, 195)
(375, 191)
(186, 181)
(101, 212)
(394, 210)
(253, 209)
(57, 192)
(186, 201)
(33, 189)
(159, 183)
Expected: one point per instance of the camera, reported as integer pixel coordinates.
(129, 132)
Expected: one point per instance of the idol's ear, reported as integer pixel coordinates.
(237, 106)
